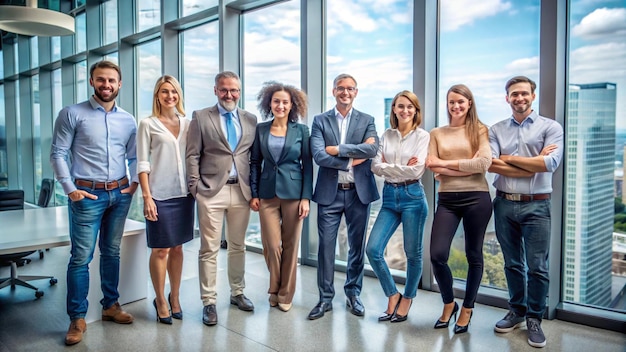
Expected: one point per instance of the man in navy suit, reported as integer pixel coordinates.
(342, 142)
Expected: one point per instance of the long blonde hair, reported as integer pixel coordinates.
(474, 128)
(156, 105)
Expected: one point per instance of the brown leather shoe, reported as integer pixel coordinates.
(116, 314)
(75, 332)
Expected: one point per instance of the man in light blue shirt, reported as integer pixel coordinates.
(92, 145)
(527, 149)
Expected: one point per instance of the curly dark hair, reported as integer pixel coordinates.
(298, 100)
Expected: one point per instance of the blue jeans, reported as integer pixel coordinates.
(106, 215)
(406, 205)
(523, 230)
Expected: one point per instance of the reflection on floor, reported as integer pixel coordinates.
(27, 324)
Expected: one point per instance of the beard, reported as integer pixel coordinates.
(107, 99)
(229, 105)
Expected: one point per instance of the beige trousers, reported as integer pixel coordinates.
(228, 203)
(280, 233)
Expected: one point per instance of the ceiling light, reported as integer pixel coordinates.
(31, 20)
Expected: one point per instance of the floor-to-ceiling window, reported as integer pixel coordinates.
(594, 220)
(200, 52)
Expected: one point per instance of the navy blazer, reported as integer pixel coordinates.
(325, 132)
(290, 177)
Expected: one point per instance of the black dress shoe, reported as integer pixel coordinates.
(242, 302)
(444, 324)
(166, 320)
(458, 329)
(319, 310)
(397, 318)
(355, 305)
(175, 315)
(224, 244)
(209, 315)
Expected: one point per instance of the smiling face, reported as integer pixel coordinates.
(280, 104)
(344, 92)
(106, 84)
(458, 105)
(227, 91)
(520, 97)
(168, 96)
(404, 111)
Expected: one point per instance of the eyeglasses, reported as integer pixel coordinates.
(341, 89)
(233, 91)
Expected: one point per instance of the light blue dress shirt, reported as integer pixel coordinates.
(508, 137)
(92, 144)
(237, 125)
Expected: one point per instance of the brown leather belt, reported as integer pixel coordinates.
(404, 183)
(102, 185)
(232, 181)
(517, 197)
(345, 186)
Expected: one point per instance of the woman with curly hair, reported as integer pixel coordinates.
(281, 181)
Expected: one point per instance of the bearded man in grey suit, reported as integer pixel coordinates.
(218, 148)
(342, 142)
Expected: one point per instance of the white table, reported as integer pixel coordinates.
(33, 229)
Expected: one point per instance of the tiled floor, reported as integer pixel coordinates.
(27, 324)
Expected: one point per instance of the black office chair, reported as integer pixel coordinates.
(14, 200)
(45, 194)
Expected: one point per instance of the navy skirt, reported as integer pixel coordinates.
(174, 225)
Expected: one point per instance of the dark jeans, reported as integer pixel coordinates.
(328, 218)
(106, 216)
(475, 210)
(523, 230)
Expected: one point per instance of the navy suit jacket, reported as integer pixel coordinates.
(291, 176)
(325, 132)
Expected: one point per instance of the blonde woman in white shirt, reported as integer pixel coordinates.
(168, 207)
(400, 160)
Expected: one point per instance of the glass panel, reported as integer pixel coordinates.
(370, 36)
(113, 57)
(484, 66)
(200, 65)
(148, 14)
(148, 70)
(36, 134)
(57, 104)
(4, 168)
(192, 6)
(34, 52)
(262, 30)
(81, 32)
(109, 19)
(594, 250)
(55, 48)
(82, 81)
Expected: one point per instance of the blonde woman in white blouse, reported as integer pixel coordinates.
(168, 207)
(400, 160)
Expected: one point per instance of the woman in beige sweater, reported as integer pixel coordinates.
(459, 155)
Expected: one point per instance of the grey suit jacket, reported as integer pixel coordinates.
(325, 132)
(209, 158)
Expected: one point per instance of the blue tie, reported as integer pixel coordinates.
(231, 135)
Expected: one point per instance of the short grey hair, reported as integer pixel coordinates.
(226, 74)
(343, 76)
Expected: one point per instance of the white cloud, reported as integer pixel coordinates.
(524, 64)
(602, 23)
(458, 13)
(353, 15)
(599, 63)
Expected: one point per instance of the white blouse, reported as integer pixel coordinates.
(397, 152)
(162, 155)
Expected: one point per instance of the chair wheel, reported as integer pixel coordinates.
(38, 294)
(53, 281)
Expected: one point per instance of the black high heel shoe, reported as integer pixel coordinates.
(175, 315)
(397, 318)
(458, 329)
(166, 320)
(444, 324)
(387, 316)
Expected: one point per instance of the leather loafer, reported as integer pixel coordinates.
(75, 332)
(355, 305)
(242, 302)
(116, 314)
(209, 315)
(319, 310)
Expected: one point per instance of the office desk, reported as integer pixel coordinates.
(33, 229)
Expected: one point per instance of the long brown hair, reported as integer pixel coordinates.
(417, 119)
(474, 128)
